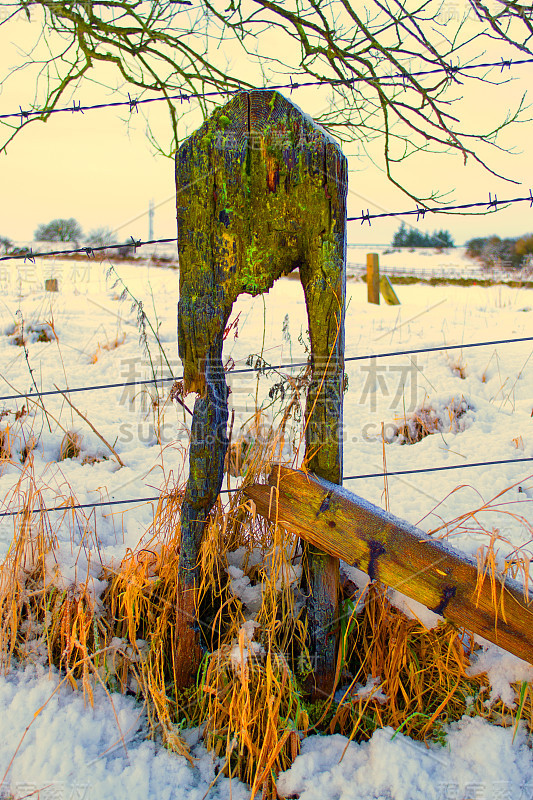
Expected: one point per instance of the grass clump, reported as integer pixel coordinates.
(250, 694)
(110, 345)
(427, 420)
(70, 445)
(403, 674)
(253, 711)
(5, 444)
(35, 332)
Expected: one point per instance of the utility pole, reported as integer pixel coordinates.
(151, 221)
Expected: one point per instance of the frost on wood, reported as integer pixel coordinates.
(261, 191)
(391, 550)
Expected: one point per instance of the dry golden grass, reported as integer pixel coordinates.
(459, 368)
(249, 692)
(422, 673)
(70, 445)
(109, 345)
(5, 444)
(254, 714)
(517, 561)
(17, 439)
(28, 447)
(425, 421)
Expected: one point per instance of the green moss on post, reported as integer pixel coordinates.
(261, 191)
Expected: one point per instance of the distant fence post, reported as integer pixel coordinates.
(261, 191)
(372, 277)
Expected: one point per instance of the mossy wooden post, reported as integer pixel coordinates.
(261, 191)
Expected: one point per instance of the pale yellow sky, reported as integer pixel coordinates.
(103, 172)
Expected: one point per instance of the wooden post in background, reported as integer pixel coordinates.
(372, 277)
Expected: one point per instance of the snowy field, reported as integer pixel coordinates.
(478, 401)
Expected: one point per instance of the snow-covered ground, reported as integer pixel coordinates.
(73, 751)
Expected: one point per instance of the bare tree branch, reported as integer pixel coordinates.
(370, 57)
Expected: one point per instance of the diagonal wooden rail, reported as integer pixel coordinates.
(400, 555)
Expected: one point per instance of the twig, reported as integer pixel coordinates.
(91, 426)
(36, 403)
(27, 357)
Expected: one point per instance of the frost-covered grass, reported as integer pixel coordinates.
(470, 404)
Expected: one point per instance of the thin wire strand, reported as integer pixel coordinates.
(434, 469)
(68, 507)
(387, 80)
(267, 368)
(494, 203)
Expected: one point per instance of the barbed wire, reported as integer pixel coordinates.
(71, 506)
(421, 212)
(265, 367)
(133, 103)
(28, 255)
(493, 203)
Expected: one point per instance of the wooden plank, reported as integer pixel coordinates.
(398, 554)
(389, 295)
(372, 277)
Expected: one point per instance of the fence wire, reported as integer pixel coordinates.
(493, 204)
(157, 498)
(265, 367)
(387, 80)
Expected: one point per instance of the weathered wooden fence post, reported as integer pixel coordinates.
(372, 277)
(50, 285)
(261, 190)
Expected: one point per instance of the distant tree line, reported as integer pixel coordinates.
(70, 231)
(510, 253)
(59, 230)
(413, 238)
(495, 252)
